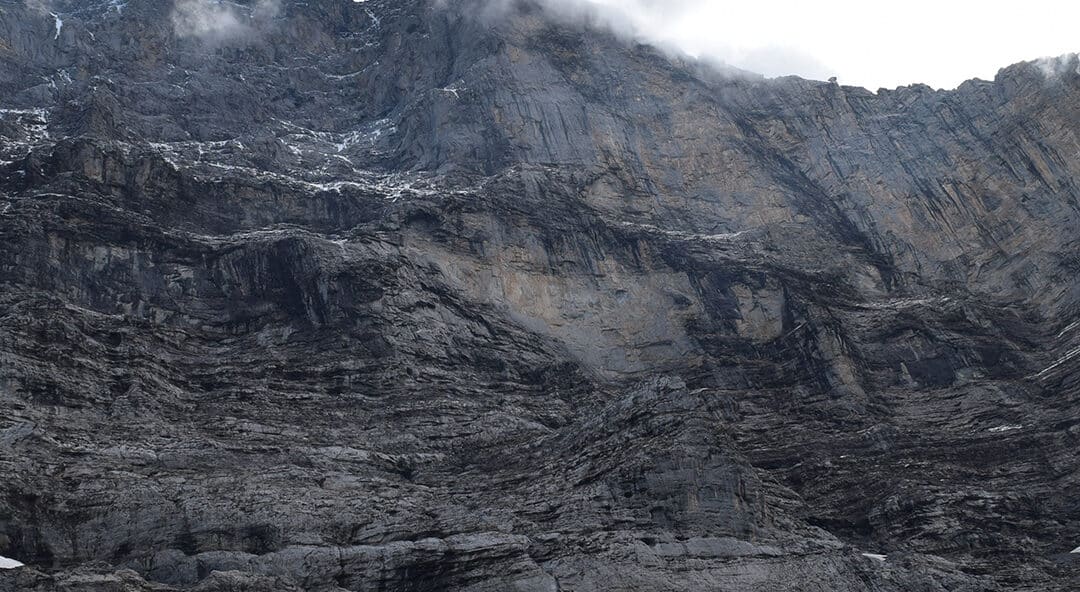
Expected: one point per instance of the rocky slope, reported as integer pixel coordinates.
(391, 295)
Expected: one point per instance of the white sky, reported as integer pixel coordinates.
(868, 43)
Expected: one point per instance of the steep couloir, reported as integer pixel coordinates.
(416, 296)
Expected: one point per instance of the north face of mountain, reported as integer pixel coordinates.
(397, 295)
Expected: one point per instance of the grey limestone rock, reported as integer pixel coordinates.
(399, 295)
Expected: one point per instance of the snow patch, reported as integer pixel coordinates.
(874, 556)
(59, 24)
(34, 126)
(41, 114)
(453, 90)
(1076, 550)
(1005, 428)
(322, 158)
(1072, 326)
(367, 136)
(6, 563)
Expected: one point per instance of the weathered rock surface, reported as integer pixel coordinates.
(387, 295)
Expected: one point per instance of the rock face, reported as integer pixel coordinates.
(401, 295)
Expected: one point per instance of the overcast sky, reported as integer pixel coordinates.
(869, 43)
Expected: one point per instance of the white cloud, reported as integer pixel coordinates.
(221, 20)
(873, 44)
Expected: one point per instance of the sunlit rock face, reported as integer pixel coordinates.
(392, 295)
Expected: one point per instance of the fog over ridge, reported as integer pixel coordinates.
(871, 45)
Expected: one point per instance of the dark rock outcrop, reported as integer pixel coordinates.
(391, 295)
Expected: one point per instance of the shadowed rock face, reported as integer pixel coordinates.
(387, 295)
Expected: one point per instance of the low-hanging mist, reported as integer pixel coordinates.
(871, 45)
(216, 21)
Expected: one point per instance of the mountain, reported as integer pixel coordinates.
(401, 295)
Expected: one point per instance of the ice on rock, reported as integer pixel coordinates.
(59, 24)
(6, 563)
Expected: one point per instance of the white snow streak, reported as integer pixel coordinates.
(678, 234)
(1069, 328)
(6, 563)
(1072, 354)
(59, 24)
